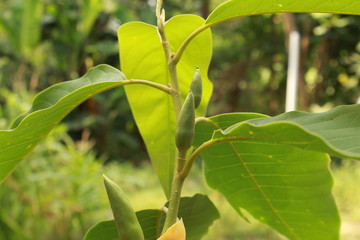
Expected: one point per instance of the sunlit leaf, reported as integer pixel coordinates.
(142, 57)
(237, 8)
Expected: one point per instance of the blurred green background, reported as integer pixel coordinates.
(57, 192)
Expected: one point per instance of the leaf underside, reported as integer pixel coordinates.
(142, 57)
(49, 108)
(277, 168)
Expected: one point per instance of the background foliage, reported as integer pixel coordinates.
(43, 42)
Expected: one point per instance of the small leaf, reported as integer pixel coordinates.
(237, 8)
(49, 108)
(175, 232)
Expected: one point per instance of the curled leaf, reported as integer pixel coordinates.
(175, 232)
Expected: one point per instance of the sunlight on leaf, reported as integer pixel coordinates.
(237, 8)
(142, 57)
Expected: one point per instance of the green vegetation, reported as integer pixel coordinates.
(274, 170)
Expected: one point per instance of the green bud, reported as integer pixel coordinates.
(127, 224)
(185, 128)
(196, 87)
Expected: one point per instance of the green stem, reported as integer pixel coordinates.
(149, 83)
(177, 184)
(174, 85)
(174, 202)
(188, 165)
(177, 56)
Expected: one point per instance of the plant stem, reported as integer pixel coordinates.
(177, 56)
(151, 84)
(174, 202)
(178, 181)
(174, 85)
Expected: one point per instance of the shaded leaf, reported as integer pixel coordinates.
(49, 108)
(237, 8)
(105, 230)
(142, 57)
(197, 212)
(151, 221)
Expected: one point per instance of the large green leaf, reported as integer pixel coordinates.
(237, 8)
(336, 132)
(197, 212)
(49, 108)
(142, 57)
(284, 187)
(275, 168)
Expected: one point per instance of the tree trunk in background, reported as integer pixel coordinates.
(288, 25)
(205, 8)
(304, 53)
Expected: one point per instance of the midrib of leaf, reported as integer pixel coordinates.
(258, 187)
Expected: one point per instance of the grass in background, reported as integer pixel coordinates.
(56, 193)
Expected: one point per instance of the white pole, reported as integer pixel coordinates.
(293, 71)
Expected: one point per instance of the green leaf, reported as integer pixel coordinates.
(142, 57)
(197, 212)
(222, 121)
(268, 166)
(105, 230)
(151, 221)
(237, 8)
(49, 108)
(336, 132)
